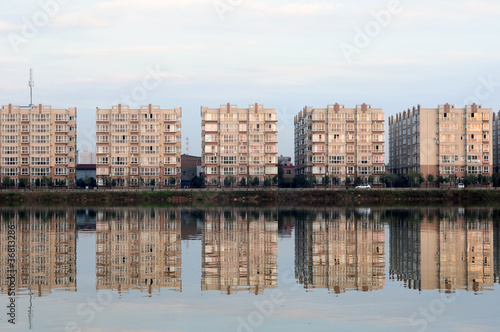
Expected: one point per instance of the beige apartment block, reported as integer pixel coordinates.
(444, 141)
(138, 147)
(339, 143)
(239, 143)
(38, 146)
(496, 142)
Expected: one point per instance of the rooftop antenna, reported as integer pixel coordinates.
(31, 84)
(187, 146)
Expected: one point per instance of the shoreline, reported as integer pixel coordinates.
(252, 197)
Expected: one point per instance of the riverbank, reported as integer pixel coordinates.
(285, 197)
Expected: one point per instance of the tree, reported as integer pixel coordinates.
(6, 181)
(496, 179)
(153, 182)
(312, 180)
(288, 181)
(255, 181)
(275, 180)
(23, 182)
(171, 181)
(392, 178)
(471, 179)
(228, 181)
(267, 181)
(348, 180)
(198, 181)
(430, 178)
(243, 182)
(371, 178)
(326, 180)
(113, 182)
(358, 181)
(301, 182)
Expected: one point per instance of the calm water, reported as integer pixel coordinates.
(238, 269)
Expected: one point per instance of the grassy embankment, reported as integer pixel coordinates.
(285, 197)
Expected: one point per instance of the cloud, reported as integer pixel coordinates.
(149, 4)
(9, 27)
(83, 19)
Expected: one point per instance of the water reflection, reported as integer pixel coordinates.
(138, 249)
(340, 249)
(38, 251)
(239, 251)
(443, 249)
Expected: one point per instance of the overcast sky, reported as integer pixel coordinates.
(283, 54)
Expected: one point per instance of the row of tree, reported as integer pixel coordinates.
(45, 181)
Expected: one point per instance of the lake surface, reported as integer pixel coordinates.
(249, 269)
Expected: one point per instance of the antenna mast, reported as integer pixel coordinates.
(31, 84)
(187, 145)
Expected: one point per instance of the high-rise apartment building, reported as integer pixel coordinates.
(239, 143)
(339, 143)
(137, 147)
(37, 146)
(496, 142)
(444, 141)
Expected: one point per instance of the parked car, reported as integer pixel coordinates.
(460, 186)
(363, 186)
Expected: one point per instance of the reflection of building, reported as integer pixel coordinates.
(340, 252)
(444, 253)
(44, 244)
(240, 251)
(496, 248)
(138, 249)
(496, 142)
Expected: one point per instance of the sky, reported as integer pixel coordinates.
(284, 54)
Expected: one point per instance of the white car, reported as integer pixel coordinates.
(460, 186)
(363, 186)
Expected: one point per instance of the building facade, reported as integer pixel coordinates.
(190, 167)
(138, 147)
(37, 146)
(337, 143)
(444, 141)
(239, 143)
(496, 142)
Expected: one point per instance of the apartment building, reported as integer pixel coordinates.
(444, 141)
(44, 247)
(445, 251)
(496, 142)
(337, 143)
(37, 146)
(239, 143)
(138, 249)
(340, 252)
(239, 251)
(138, 147)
